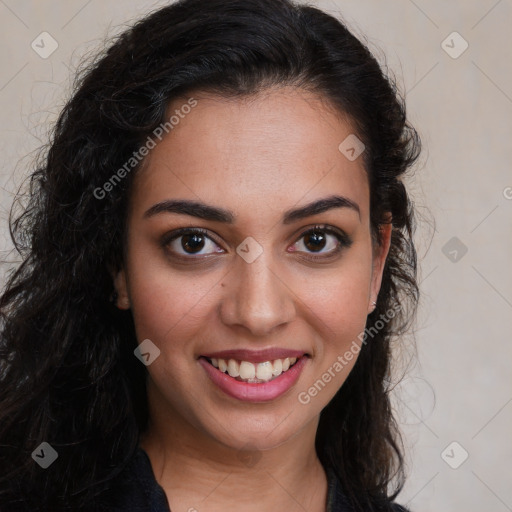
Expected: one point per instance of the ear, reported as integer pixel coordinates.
(380, 254)
(121, 287)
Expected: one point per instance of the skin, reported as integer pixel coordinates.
(257, 157)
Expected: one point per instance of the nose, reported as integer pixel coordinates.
(257, 298)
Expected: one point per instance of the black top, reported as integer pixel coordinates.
(140, 492)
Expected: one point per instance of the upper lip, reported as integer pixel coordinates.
(256, 356)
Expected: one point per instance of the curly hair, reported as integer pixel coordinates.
(67, 371)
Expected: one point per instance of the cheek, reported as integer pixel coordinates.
(339, 309)
(340, 300)
(168, 307)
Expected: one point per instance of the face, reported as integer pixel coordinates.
(257, 276)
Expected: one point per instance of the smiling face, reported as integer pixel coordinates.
(256, 277)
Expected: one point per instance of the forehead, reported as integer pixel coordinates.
(279, 146)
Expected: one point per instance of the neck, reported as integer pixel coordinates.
(196, 471)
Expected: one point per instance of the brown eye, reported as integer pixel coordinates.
(192, 243)
(315, 241)
(189, 242)
(322, 240)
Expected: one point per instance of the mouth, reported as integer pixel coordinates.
(262, 381)
(254, 373)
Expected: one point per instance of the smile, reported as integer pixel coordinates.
(245, 371)
(280, 375)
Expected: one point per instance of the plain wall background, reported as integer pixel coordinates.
(461, 387)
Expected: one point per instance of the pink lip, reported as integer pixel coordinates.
(254, 392)
(255, 356)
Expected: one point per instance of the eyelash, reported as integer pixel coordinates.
(344, 241)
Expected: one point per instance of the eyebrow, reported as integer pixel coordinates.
(214, 213)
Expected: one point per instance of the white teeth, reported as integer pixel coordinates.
(233, 368)
(245, 370)
(277, 367)
(264, 371)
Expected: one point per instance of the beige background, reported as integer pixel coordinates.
(461, 388)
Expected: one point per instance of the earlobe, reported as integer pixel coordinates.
(379, 261)
(122, 300)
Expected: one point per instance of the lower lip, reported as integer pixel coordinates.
(250, 392)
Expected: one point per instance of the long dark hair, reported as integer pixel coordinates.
(68, 375)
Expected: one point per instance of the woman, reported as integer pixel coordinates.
(217, 253)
